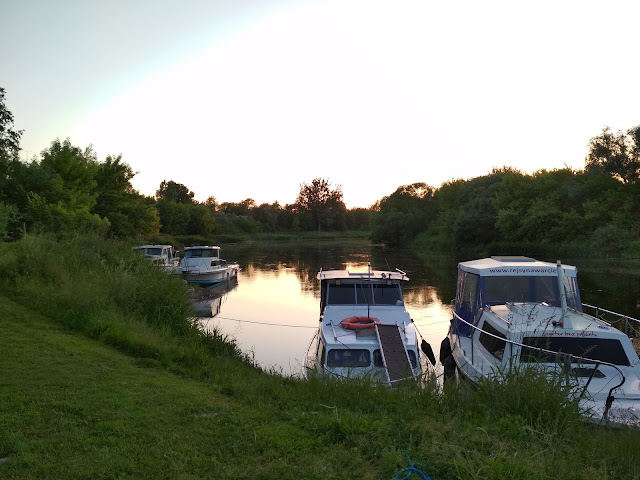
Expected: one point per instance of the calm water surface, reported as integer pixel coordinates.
(273, 309)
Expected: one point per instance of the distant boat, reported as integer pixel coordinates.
(517, 311)
(164, 256)
(202, 265)
(365, 329)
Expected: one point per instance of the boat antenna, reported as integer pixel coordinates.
(369, 291)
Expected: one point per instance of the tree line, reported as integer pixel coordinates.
(67, 189)
(594, 211)
(590, 211)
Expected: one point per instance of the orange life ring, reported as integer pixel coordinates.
(358, 323)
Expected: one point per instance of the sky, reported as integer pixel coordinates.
(245, 99)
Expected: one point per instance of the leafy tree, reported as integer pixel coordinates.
(618, 154)
(212, 204)
(174, 192)
(322, 203)
(9, 149)
(9, 138)
(129, 213)
(402, 215)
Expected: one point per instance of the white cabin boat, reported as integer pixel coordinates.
(164, 256)
(517, 311)
(365, 329)
(202, 265)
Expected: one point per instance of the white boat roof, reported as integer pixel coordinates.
(152, 246)
(515, 266)
(212, 247)
(373, 275)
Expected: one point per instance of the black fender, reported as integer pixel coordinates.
(445, 350)
(428, 351)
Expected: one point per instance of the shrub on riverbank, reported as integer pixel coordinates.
(105, 290)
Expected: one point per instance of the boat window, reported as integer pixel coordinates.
(604, 349)
(378, 294)
(495, 346)
(363, 294)
(321, 352)
(387, 294)
(377, 358)
(348, 358)
(201, 253)
(516, 289)
(341, 295)
(413, 358)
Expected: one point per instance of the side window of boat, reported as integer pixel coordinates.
(377, 358)
(468, 297)
(495, 346)
(413, 358)
(321, 352)
(342, 294)
(344, 357)
(603, 349)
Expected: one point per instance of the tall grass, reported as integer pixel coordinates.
(105, 290)
(517, 426)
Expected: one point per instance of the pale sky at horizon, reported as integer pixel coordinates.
(247, 98)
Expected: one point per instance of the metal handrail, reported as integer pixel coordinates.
(620, 316)
(597, 363)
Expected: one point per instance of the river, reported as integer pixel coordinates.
(272, 310)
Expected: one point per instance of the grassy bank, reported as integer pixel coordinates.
(104, 376)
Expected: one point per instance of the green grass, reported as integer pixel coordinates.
(102, 375)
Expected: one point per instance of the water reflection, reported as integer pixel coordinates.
(273, 309)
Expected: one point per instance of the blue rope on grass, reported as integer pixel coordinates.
(411, 469)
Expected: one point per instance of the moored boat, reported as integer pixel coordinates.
(515, 312)
(365, 329)
(164, 256)
(202, 265)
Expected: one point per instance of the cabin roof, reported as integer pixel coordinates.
(213, 247)
(514, 266)
(151, 246)
(373, 275)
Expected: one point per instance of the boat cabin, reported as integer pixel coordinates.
(164, 255)
(365, 329)
(508, 280)
(517, 310)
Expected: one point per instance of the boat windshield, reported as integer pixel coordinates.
(201, 253)
(517, 289)
(364, 293)
(604, 349)
(151, 251)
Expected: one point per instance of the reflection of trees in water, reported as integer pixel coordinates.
(304, 258)
(422, 295)
(307, 258)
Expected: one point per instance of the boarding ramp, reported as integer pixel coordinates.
(394, 354)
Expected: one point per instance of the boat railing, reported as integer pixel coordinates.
(629, 325)
(512, 343)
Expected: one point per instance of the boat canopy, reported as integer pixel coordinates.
(502, 280)
(515, 266)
